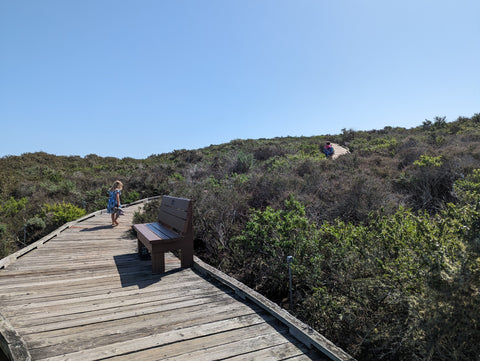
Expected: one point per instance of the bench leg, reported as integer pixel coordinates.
(186, 256)
(158, 262)
(142, 251)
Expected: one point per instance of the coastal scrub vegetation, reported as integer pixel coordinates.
(385, 240)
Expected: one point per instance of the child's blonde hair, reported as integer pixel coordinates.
(117, 185)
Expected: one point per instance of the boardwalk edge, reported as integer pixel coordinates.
(11, 343)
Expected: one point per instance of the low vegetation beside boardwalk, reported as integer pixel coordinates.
(385, 239)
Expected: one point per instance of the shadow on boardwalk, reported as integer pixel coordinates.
(136, 272)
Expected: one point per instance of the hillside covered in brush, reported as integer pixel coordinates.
(385, 239)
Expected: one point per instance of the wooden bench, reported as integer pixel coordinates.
(173, 231)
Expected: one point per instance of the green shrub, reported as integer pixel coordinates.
(60, 213)
(387, 146)
(11, 207)
(244, 161)
(428, 184)
(7, 242)
(373, 285)
(219, 212)
(52, 175)
(3, 230)
(268, 238)
(467, 188)
(265, 152)
(148, 214)
(35, 224)
(177, 177)
(370, 285)
(130, 196)
(428, 161)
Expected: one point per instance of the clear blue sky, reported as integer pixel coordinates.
(135, 78)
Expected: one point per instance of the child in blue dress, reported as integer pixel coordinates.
(114, 205)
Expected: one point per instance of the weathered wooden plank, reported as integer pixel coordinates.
(117, 308)
(181, 213)
(116, 313)
(213, 346)
(96, 284)
(174, 202)
(51, 314)
(108, 299)
(102, 334)
(128, 259)
(285, 351)
(148, 342)
(309, 355)
(176, 223)
(88, 278)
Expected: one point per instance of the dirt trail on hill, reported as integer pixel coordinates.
(339, 150)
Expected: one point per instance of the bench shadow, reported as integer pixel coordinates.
(134, 271)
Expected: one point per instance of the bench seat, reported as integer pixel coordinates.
(156, 232)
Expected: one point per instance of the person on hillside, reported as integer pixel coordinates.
(328, 150)
(114, 206)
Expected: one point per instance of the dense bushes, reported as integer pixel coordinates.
(383, 290)
(270, 236)
(385, 240)
(60, 213)
(429, 182)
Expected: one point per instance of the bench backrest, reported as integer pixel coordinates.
(176, 213)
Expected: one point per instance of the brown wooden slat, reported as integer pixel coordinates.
(110, 333)
(173, 221)
(174, 202)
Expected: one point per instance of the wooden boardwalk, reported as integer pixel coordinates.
(85, 295)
